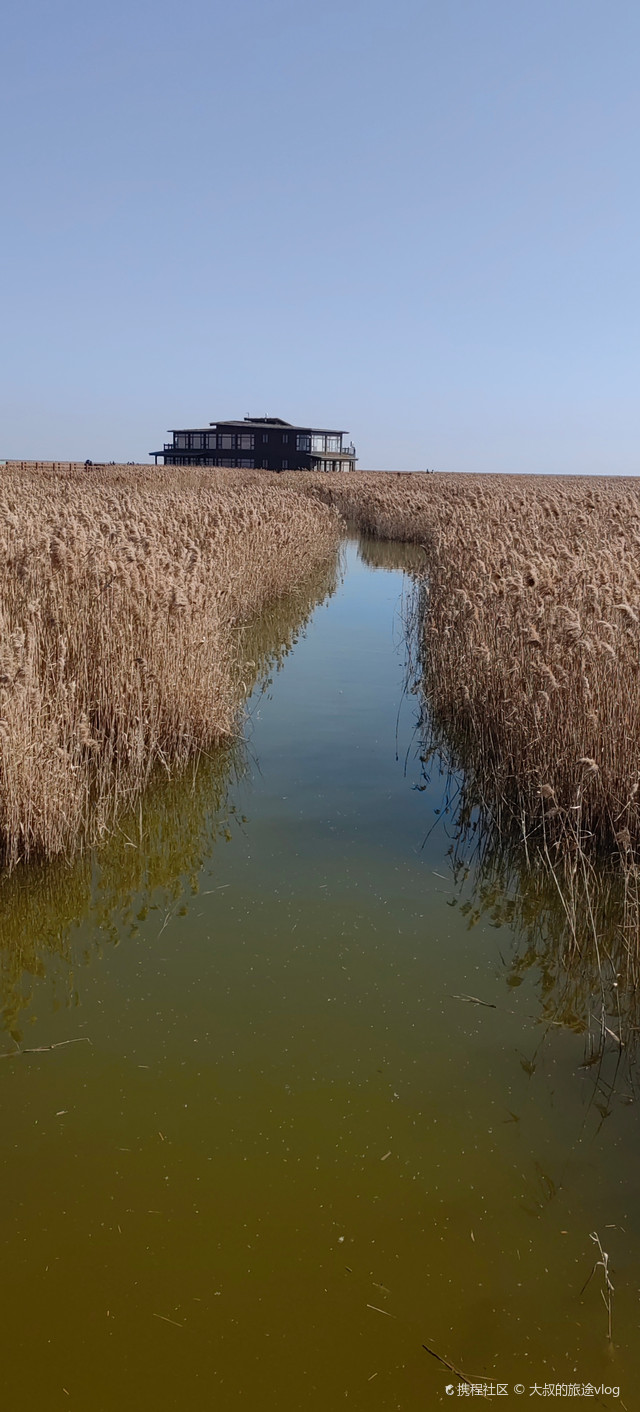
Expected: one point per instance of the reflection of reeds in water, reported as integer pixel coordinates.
(570, 925)
(391, 555)
(265, 640)
(155, 854)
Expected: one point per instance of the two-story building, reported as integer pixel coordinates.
(263, 443)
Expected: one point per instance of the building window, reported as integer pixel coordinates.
(303, 443)
(333, 443)
(247, 465)
(197, 440)
(226, 461)
(265, 437)
(245, 441)
(285, 437)
(285, 465)
(226, 441)
(317, 443)
(265, 465)
(180, 440)
(211, 440)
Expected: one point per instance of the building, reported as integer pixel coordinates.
(266, 443)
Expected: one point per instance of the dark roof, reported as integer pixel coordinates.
(252, 422)
(263, 424)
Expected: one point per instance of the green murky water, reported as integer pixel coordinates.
(280, 1155)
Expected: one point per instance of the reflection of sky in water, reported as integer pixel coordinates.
(284, 1123)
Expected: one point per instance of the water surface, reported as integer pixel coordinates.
(284, 1153)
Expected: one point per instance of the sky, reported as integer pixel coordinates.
(417, 221)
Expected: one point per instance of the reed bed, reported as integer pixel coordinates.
(530, 611)
(122, 590)
(123, 593)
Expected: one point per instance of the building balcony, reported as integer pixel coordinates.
(332, 455)
(169, 446)
(170, 449)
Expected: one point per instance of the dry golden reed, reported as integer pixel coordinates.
(121, 589)
(531, 639)
(122, 593)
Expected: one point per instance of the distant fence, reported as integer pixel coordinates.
(69, 465)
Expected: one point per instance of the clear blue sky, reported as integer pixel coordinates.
(418, 221)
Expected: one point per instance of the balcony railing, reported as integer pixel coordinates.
(172, 446)
(343, 451)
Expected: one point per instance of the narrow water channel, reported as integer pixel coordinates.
(260, 1146)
